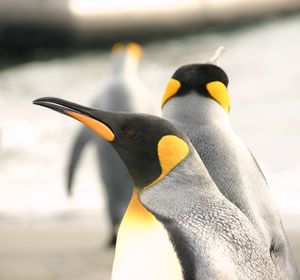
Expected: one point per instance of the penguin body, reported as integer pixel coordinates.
(122, 90)
(199, 106)
(178, 225)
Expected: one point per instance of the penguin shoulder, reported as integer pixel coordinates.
(211, 236)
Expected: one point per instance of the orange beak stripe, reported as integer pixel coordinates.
(98, 127)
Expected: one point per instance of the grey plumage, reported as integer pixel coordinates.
(122, 90)
(233, 169)
(212, 237)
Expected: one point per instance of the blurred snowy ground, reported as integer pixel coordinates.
(263, 64)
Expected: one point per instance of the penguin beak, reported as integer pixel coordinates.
(81, 113)
(216, 57)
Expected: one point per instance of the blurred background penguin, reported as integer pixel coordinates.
(122, 90)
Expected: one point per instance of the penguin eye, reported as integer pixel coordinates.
(130, 134)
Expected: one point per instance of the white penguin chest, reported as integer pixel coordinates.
(143, 249)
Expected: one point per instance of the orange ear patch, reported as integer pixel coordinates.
(171, 89)
(218, 92)
(100, 128)
(171, 151)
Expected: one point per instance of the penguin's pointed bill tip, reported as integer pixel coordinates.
(215, 59)
(78, 112)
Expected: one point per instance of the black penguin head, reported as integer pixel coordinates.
(206, 79)
(150, 146)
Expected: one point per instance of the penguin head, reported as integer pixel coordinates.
(206, 79)
(149, 146)
(133, 49)
(126, 56)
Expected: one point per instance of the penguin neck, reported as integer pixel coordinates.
(136, 214)
(124, 66)
(191, 171)
(193, 106)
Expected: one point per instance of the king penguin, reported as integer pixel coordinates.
(177, 225)
(122, 90)
(197, 101)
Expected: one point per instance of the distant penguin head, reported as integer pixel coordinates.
(126, 55)
(150, 146)
(206, 79)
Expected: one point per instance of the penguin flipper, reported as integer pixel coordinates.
(83, 137)
(212, 238)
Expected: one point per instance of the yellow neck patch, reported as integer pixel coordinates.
(100, 128)
(171, 89)
(171, 151)
(218, 91)
(136, 213)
